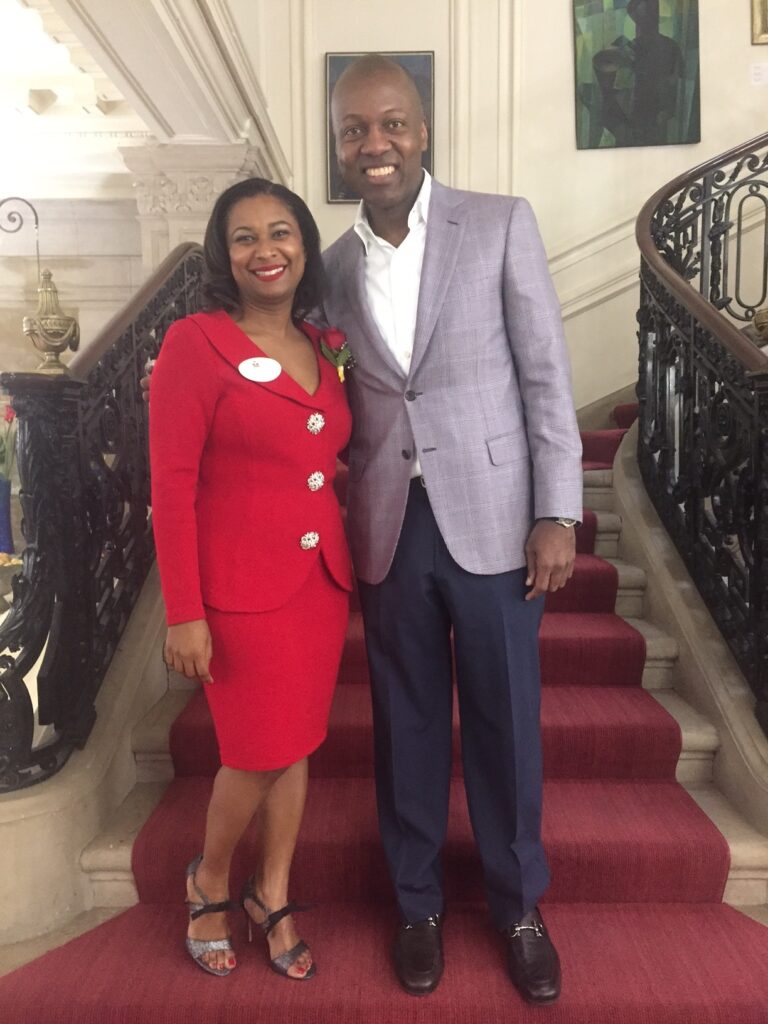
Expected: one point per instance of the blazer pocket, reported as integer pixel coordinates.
(507, 448)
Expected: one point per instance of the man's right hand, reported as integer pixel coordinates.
(145, 382)
(188, 650)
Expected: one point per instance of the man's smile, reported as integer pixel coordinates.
(379, 172)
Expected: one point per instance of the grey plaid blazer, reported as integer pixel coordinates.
(487, 405)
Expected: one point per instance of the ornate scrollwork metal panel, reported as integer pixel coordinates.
(702, 231)
(85, 494)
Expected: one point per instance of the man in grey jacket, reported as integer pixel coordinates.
(464, 490)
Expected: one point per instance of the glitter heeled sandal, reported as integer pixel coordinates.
(198, 948)
(282, 963)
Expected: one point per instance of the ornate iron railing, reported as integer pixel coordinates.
(703, 390)
(85, 493)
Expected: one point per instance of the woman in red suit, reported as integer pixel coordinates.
(246, 422)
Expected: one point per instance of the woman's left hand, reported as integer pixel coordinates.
(188, 649)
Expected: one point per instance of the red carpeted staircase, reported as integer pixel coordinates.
(637, 870)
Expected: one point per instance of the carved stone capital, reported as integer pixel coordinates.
(183, 179)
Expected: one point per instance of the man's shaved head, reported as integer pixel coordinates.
(375, 66)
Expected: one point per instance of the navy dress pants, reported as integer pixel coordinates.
(409, 620)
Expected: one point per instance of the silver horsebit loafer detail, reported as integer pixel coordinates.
(518, 930)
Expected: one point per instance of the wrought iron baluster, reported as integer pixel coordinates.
(84, 471)
(703, 391)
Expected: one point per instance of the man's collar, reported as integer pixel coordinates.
(418, 214)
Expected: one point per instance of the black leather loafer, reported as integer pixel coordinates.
(418, 955)
(532, 960)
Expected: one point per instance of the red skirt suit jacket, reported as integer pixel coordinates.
(242, 471)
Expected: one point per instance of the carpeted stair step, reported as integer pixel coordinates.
(625, 415)
(590, 648)
(587, 732)
(599, 448)
(593, 587)
(108, 873)
(350, 726)
(607, 841)
(627, 963)
(601, 585)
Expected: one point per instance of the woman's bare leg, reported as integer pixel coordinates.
(236, 797)
(280, 818)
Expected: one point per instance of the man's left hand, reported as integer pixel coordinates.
(550, 552)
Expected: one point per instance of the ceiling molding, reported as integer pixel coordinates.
(208, 35)
(99, 36)
(181, 65)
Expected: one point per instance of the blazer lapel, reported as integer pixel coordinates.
(358, 301)
(445, 230)
(235, 346)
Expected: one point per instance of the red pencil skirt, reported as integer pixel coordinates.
(274, 674)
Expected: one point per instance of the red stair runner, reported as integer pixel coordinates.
(637, 870)
(600, 447)
(625, 415)
(623, 964)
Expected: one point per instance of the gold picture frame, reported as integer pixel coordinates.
(759, 22)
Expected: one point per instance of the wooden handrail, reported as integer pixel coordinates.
(750, 357)
(85, 360)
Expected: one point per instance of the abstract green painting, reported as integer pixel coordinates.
(637, 72)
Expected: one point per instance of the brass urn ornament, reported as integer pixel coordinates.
(51, 331)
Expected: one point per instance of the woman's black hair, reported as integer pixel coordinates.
(219, 288)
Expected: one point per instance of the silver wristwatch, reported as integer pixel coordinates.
(562, 521)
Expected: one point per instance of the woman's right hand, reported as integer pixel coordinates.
(188, 650)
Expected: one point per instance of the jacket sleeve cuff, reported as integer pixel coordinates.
(175, 615)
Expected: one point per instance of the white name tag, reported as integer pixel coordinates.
(261, 369)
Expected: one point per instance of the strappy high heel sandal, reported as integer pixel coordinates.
(282, 963)
(197, 948)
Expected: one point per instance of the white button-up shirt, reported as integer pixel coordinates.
(393, 277)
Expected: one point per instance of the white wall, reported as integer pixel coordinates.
(504, 121)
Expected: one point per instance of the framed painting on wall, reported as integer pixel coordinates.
(637, 73)
(760, 21)
(421, 67)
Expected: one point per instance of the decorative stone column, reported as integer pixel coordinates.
(176, 186)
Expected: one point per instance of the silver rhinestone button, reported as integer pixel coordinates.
(315, 481)
(315, 423)
(309, 541)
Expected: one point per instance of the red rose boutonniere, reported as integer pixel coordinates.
(333, 345)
